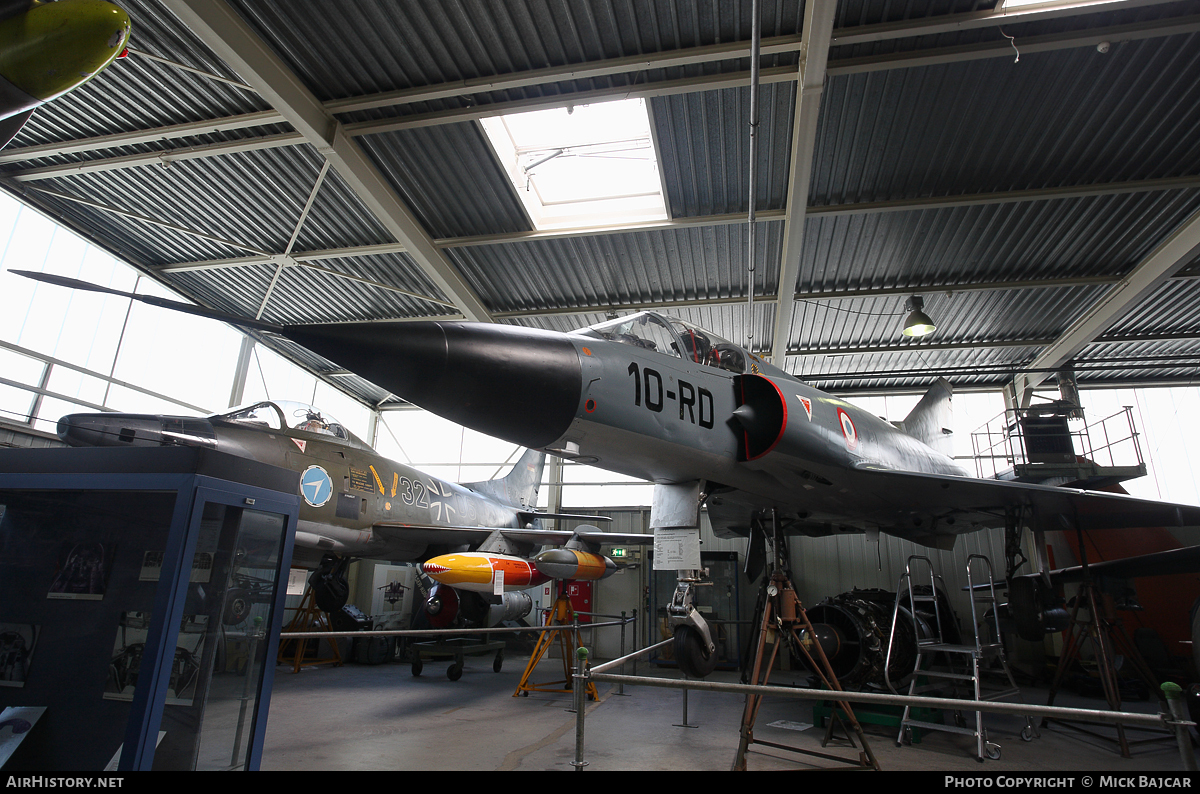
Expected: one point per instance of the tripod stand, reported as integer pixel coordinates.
(783, 614)
(1107, 637)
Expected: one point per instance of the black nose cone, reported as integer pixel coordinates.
(519, 384)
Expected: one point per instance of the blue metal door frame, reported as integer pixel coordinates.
(193, 492)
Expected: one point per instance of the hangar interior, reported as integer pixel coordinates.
(1027, 174)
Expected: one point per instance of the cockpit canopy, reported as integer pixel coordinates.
(675, 337)
(280, 414)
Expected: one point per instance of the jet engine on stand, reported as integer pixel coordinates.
(855, 631)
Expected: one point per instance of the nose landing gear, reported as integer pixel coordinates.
(695, 650)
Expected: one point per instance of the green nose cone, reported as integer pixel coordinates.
(56, 47)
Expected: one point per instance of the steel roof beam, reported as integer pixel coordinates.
(300, 256)
(836, 67)
(697, 55)
(1171, 254)
(973, 20)
(164, 157)
(998, 344)
(858, 208)
(834, 295)
(1150, 29)
(774, 45)
(231, 39)
(1043, 194)
(212, 126)
(810, 84)
(919, 347)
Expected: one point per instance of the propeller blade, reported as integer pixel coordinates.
(162, 303)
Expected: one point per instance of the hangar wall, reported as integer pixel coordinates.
(629, 590)
(822, 567)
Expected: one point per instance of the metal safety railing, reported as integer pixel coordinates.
(1019, 438)
(1174, 721)
(621, 620)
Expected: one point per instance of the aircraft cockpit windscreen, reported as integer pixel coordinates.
(705, 347)
(644, 329)
(675, 337)
(283, 413)
(265, 415)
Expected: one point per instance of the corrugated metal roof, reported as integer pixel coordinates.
(450, 178)
(1067, 117)
(705, 144)
(616, 270)
(923, 176)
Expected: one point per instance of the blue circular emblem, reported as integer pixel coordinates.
(315, 486)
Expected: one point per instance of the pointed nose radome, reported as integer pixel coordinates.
(519, 384)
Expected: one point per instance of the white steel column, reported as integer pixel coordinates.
(814, 53)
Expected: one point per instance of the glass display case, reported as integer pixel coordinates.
(140, 602)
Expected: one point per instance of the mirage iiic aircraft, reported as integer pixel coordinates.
(475, 539)
(710, 424)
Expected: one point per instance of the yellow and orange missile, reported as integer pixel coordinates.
(574, 564)
(476, 570)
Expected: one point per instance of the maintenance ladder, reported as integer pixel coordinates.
(972, 658)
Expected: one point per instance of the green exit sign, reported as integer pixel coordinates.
(618, 552)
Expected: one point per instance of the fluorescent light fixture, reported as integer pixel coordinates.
(581, 166)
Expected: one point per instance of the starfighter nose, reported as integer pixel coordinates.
(110, 430)
(519, 384)
(134, 430)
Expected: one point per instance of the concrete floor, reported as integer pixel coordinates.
(360, 717)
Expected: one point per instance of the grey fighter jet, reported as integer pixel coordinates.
(709, 423)
(357, 503)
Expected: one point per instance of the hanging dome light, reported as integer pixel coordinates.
(918, 323)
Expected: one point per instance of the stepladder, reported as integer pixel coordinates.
(967, 666)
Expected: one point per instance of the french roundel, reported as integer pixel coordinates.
(848, 429)
(315, 486)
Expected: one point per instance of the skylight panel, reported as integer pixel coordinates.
(582, 166)
(1015, 5)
